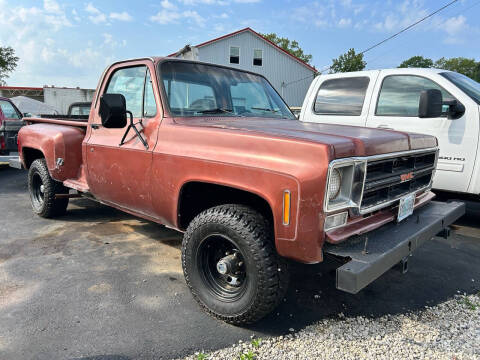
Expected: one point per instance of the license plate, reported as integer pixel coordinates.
(405, 208)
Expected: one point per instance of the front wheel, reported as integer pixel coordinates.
(43, 189)
(231, 266)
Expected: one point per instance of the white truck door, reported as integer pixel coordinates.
(339, 98)
(395, 106)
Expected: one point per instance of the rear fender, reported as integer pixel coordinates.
(61, 147)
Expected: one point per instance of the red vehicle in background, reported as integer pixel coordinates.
(10, 122)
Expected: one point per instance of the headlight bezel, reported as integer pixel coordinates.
(352, 173)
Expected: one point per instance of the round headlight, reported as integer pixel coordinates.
(334, 184)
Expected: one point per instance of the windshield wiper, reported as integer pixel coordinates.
(265, 109)
(215, 111)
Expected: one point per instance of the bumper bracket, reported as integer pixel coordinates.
(387, 246)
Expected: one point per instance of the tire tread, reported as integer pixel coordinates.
(52, 207)
(255, 230)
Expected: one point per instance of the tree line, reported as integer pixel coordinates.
(351, 61)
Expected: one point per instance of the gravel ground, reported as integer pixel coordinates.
(450, 330)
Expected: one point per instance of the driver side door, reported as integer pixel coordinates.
(120, 175)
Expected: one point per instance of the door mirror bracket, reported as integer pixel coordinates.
(133, 126)
(113, 112)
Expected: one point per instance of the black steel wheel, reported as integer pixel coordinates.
(43, 188)
(37, 191)
(222, 266)
(231, 265)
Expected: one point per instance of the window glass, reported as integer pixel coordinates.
(129, 82)
(400, 95)
(184, 96)
(257, 57)
(342, 96)
(234, 55)
(206, 90)
(80, 110)
(469, 86)
(250, 97)
(8, 110)
(149, 106)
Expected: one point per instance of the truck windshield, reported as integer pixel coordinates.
(199, 90)
(464, 83)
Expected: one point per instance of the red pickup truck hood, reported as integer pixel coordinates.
(344, 140)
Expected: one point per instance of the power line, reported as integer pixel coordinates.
(384, 40)
(452, 15)
(408, 27)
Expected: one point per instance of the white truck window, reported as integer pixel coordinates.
(344, 96)
(464, 83)
(400, 95)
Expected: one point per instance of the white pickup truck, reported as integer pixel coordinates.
(429, 101)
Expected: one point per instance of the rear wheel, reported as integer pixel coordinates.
(231, 266)
(42, 190)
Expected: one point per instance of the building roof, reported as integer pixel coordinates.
(20, 88)
(261, 37)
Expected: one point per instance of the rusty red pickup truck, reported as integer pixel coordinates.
(214, 152)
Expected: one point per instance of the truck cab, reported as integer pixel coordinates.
(390, 99)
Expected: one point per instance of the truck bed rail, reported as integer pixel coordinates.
(57, 121)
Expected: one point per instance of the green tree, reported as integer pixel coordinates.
(417, 62)
(465, 66)
(350, 61)
(291, 46)
(8, 62)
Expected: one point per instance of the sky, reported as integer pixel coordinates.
(70, 43)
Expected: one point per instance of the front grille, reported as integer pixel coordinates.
(389, 179)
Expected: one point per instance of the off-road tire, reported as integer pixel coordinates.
(49, 206)
(266, 271)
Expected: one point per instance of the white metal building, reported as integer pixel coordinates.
(57, 99)
(248, 50)
(62, 97)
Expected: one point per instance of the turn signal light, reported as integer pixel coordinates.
(286, 207)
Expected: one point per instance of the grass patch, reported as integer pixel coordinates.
(256, 343)
(201, 356)
(468, 303)
(249, 355)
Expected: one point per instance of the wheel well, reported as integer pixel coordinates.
(30, 155)
(196, 197)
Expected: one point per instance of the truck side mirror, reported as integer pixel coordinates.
(455, 109)
(430, 105)
(113, 111)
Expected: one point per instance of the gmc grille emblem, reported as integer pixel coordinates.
(407, 176)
